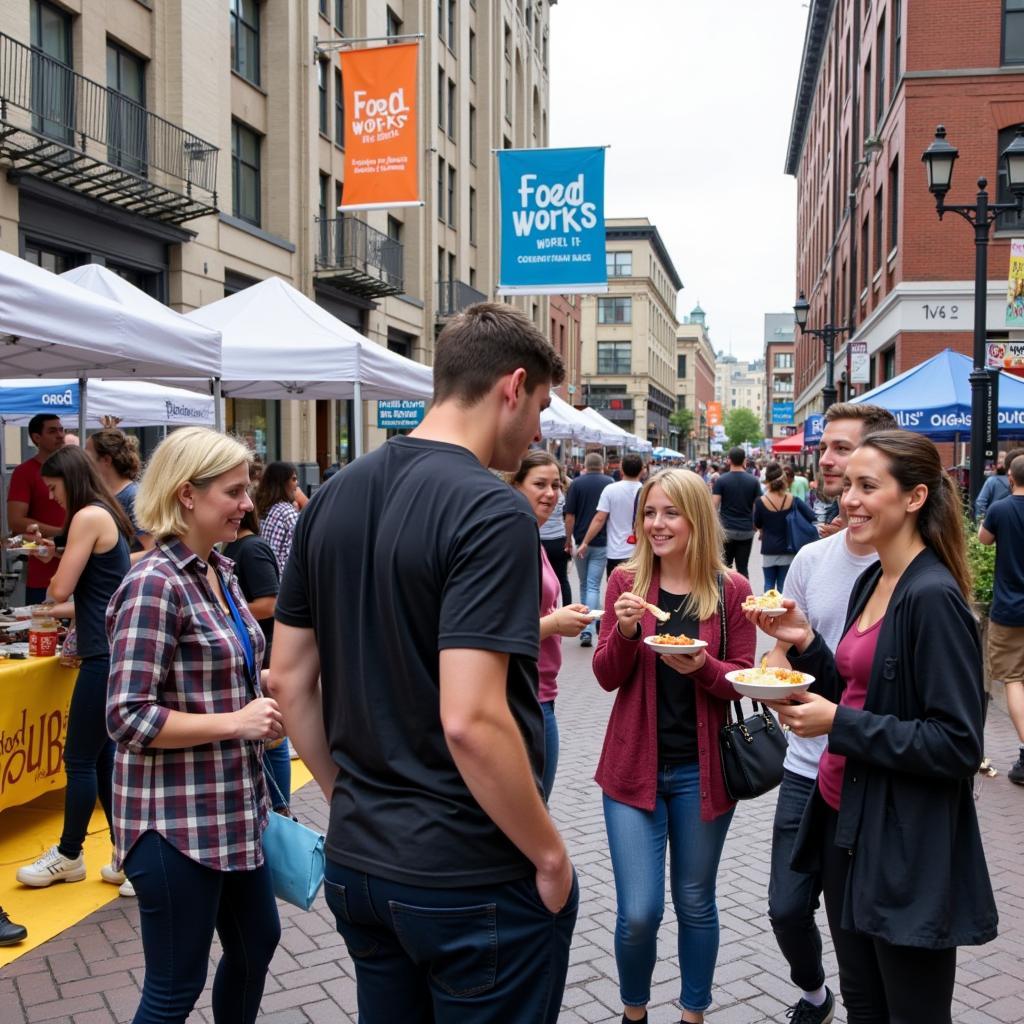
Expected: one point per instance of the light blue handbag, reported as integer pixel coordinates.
(294, 854)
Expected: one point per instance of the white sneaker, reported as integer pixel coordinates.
(110, 874)
(52, 867)
(127, 889)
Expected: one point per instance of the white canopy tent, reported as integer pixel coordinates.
(561, 422)
(614, 435)
(279, 344)
(52, 328)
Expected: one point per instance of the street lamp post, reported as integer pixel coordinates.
(940, 157)
(828, 335)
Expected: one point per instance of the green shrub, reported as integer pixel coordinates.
(982, 561)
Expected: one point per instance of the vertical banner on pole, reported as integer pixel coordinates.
(552, 221)
(381, 122)
(1015, 287)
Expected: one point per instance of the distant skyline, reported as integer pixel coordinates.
(695, 105)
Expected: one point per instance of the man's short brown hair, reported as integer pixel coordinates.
(1016, 471)
(486, 342)
(873, 417)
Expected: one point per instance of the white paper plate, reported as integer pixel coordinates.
(768, 691)
(595, 614)
(697, 645)
(766, 611)
(14, 648)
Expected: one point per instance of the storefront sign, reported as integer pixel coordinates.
(381, 168)
(401, 414)
(1015, 290)
(860, 363)
(1005, 355)
(814, 427)
(782, 412)
(552, 221)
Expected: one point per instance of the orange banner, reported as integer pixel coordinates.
(714, 414)
(381, 166)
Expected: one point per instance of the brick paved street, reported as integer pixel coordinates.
(91, 973)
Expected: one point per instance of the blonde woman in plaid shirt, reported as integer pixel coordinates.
(185, 709)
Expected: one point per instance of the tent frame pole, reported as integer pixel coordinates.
(357, 417)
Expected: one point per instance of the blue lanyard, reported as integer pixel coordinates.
(240, 630)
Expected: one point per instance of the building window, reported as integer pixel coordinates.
(865, 264)
(440, 188)
(53, 82)
(1013, 32)
(245, 39)
(894, 204)
(897, 40)
(53, 260)
(394, 25)
(866, 95)
(394, 229)
(614, 356)
(615, 310)
(339, 15)
(783, 361)
(339, 108)
(451, 196)
(472, 215)
(472, 135)
(451, 25)
(1011, 220)
(472, 55)
(126, 110)
(440, 98)
(245, 173)
(451, 110)
(681, 371)
(508, 91)
(321, 83)
(324, 215)
(508, 42)
(888, 364)
(879, 216)
(323, 7)
(544, 52)
(619, 264)
(880, 72)
(440, 20)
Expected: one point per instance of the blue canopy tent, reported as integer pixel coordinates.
(934, 398)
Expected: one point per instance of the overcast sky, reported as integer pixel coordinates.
(695, 99)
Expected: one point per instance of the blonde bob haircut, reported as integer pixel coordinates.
(195, 455)
(690, 496)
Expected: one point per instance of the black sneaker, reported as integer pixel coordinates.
(11, 933)
(1016, 773)
(586, 640)
(807, 1013)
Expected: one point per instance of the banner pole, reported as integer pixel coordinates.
(326, 45)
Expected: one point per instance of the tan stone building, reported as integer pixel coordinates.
(695, 380)
(740, 385)
(195, 146)
(629, 346)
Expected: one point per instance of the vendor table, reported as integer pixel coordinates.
(34, 699)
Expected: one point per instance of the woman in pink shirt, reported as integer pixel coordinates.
(539, 481)
(660, 768)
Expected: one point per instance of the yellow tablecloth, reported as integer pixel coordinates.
(34, 699)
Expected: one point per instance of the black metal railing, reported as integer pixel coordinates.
(455, 296)
(366, 260)
(44, 99)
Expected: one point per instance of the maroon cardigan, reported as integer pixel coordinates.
(628, 769)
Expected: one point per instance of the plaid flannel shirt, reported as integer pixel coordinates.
(278, 528)
(174, 648)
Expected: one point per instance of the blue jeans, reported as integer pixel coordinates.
(181, 903)
(88, 755)
(591, 568)
(637, 840)
(792, 895)
(550, 747)
(278, 763)
(476, 955)
(774, 576)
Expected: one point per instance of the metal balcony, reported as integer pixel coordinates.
(358, 258)
(58, 125)
(454, 296)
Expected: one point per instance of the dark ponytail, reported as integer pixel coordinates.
(775, 477)
(913, 461)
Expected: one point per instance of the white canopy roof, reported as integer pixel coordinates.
(50, 327)
(612, 434)
(279, 344)
(135, 403)
(561, 422)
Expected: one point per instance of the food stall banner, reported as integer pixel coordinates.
(400, 413)
(714, 411)
(1005, 355)
(814, 427)
(1015, 289)
(381, 127)
(552, 221)
(782, 412)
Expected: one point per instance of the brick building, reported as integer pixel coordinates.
(565, 336)
(695, 379)
(875, 80)
(779, 355)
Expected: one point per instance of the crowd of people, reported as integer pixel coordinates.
(416, 610)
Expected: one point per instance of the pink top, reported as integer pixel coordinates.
(628, 769)
(550, 659)
(854, 657)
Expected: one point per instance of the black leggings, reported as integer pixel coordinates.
(554, 548)
(881, 983)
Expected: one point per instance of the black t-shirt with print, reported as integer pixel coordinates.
(411, 550)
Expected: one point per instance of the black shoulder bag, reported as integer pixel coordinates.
(753, 749)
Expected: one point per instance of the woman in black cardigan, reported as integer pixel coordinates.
(892, 824)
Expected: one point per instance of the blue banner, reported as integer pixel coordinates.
(400, 414)
(782, 412)
(814, 426)
(58, 398)
(552, 221)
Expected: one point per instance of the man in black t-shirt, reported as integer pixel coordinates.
(413, 591)
(734, 494)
